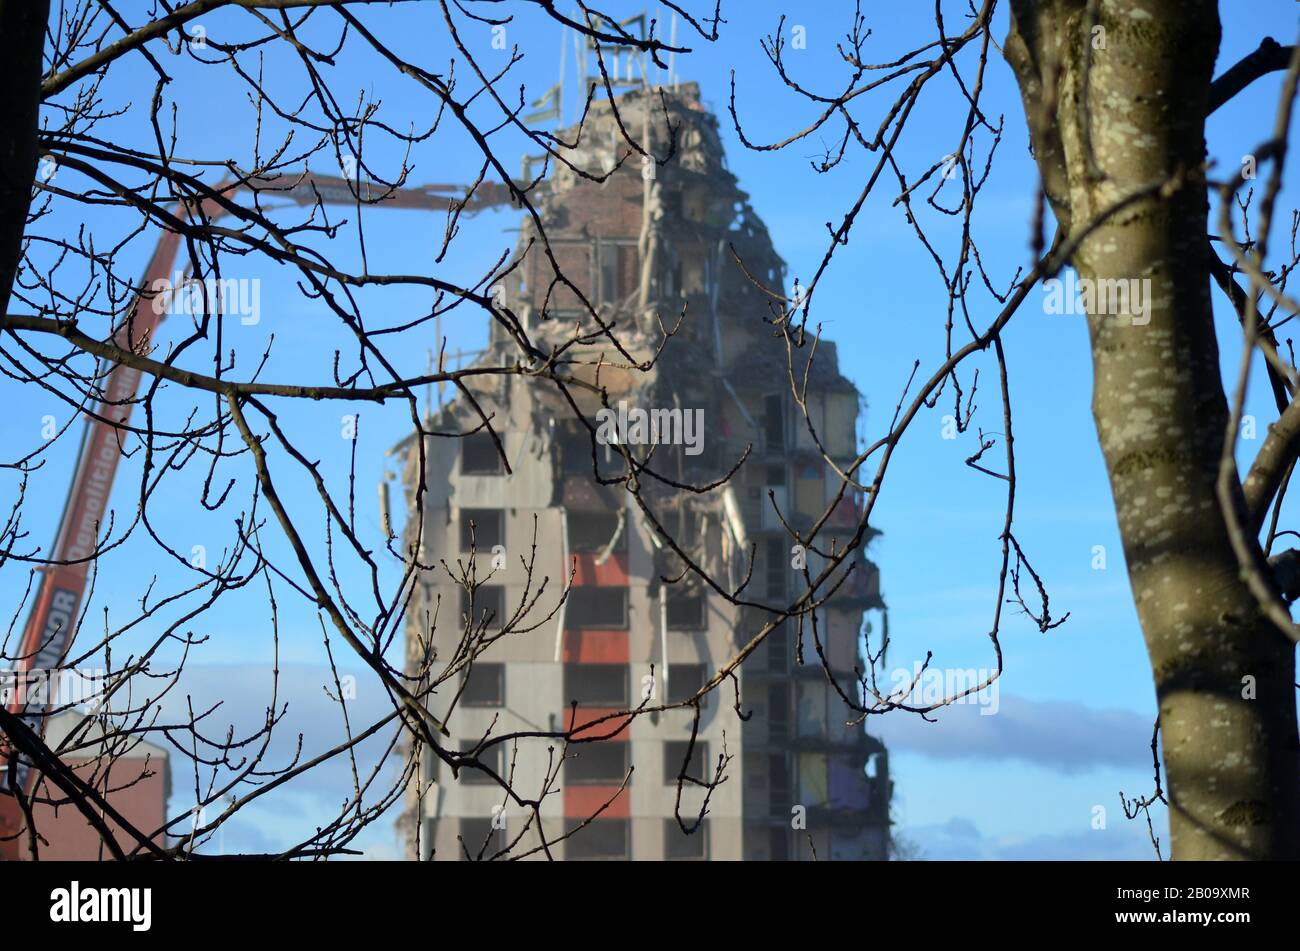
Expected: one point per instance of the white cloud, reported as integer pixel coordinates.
(960, 840)
(1063, 736)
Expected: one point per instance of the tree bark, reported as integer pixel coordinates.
(1224, 676)
(22, 41)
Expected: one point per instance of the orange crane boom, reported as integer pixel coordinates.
(51, 626)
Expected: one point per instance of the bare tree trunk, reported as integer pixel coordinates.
(22, 40)
(1116, 98)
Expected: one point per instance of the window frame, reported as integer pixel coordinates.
(498, 610)
(673, 833)
(613, 748)
(476, 777)
(674, 677)
(578, 594)
(475, 515)
(481, 436)
(569, 843)
(699, 620)
(673, 751)
(583, 547)
(476, 843)
(600, 702)
(477, 669)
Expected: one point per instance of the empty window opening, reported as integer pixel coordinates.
(479, 455)
(597, 607)
(603, 763)
(484, 527)
(485, 685)
(596, 685)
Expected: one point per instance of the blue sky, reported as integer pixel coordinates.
(1075, 704)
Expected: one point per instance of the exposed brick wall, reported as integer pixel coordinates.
(141, 801)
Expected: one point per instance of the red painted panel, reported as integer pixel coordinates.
(611, 574)
(581, 802)
(589, 715)
(596, 647)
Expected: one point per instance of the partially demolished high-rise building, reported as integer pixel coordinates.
(646, 245)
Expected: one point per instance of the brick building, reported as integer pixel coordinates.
(130, 774)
